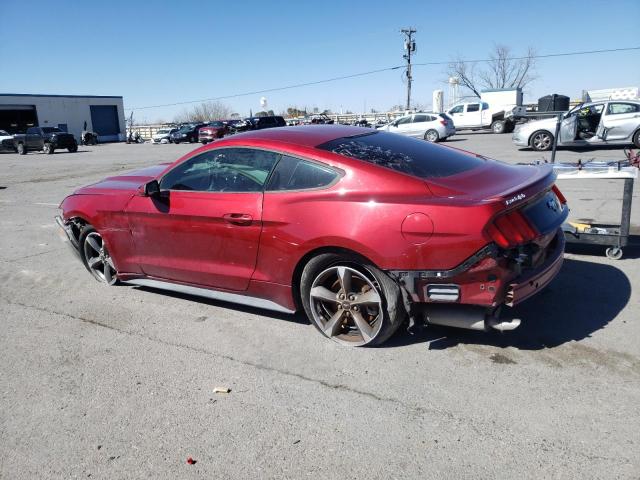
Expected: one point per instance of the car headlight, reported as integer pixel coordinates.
(183, 135)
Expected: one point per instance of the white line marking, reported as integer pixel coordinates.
(47, 204)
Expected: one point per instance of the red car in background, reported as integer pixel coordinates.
(361, 229)
(212, 131)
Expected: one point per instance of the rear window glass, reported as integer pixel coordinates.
(404, 154)
(296, 174)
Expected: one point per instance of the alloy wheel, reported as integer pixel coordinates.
(346, 306)
(541, 141)
(432, 136)
(98, 259)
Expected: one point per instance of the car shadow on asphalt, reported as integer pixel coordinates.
(585, 297)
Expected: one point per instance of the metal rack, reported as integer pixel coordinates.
(615, 236)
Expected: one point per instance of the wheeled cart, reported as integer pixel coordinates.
(614, 236)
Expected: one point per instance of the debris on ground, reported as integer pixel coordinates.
(191, 461)
(221, 390)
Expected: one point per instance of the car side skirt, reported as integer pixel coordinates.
(247, 300)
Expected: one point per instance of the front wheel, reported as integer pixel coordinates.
(21, 149)
(541, 141)
(351, 301)
(431, 136)
(48, 149)
(96, 257)
(636, 139)
(73, 148)
(498, 126)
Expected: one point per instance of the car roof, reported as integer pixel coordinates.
(307, 135)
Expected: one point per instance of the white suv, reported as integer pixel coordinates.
(433, 127)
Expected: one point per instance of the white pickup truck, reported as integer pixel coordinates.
(479, 115)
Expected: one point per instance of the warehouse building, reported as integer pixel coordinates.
(101, 114)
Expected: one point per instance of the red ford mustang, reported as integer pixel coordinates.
(362, 229)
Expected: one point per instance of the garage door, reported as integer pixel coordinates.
(17, 118)
(104, 119)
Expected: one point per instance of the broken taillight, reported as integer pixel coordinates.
(511, 229)
(444, 122)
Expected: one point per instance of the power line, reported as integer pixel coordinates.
(380, 70)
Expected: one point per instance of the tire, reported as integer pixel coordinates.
(498, 126)
(614, 253)
(191, 140)
(98, 263)
(339, 316)
(431, 136)
(73, 148)
(176, 142)
(636, 139)
(509, 127)
(21, 149)
(541, 141)
(204, 142)
(48, 149)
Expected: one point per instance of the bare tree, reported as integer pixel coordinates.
(502, 70)
(205, 112)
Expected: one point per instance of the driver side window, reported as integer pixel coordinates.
(222, 170)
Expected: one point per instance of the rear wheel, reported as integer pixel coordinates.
(431, 136)
(21, 149)
(96, 257)
(636, 139)
(351, 301)
(498, 126)
(541, 141)
(73, 148)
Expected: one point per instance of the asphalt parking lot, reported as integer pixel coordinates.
(117, 382)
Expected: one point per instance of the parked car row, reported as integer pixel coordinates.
(214, 130)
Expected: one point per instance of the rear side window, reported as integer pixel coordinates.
(421, 118)
(404, 154)
(297, 174)
(473, 107)
(621, 108)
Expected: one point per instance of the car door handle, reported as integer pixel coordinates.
(238, 218)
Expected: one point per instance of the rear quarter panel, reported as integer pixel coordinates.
(364, 212)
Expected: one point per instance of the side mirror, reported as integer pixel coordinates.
(152, 188)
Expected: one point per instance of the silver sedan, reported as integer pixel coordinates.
(613, 122)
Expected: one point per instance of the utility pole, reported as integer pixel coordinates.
(410, 47)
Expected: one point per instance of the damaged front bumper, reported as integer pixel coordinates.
(69, 233)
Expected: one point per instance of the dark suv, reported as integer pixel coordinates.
(47, 139)
(186, 133)
(259, 123)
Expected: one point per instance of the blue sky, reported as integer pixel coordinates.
(164, 52)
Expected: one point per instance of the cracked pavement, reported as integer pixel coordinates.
(117, 382)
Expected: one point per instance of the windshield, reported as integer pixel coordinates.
(164, 130)
(404, 154)
(4, 133)
(186, 128)
(51, 130)
(216, 124)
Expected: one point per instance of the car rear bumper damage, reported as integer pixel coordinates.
(472, 294)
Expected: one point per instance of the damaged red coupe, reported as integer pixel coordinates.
(361, 229)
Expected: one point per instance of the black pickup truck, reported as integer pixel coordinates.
(47, 139)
